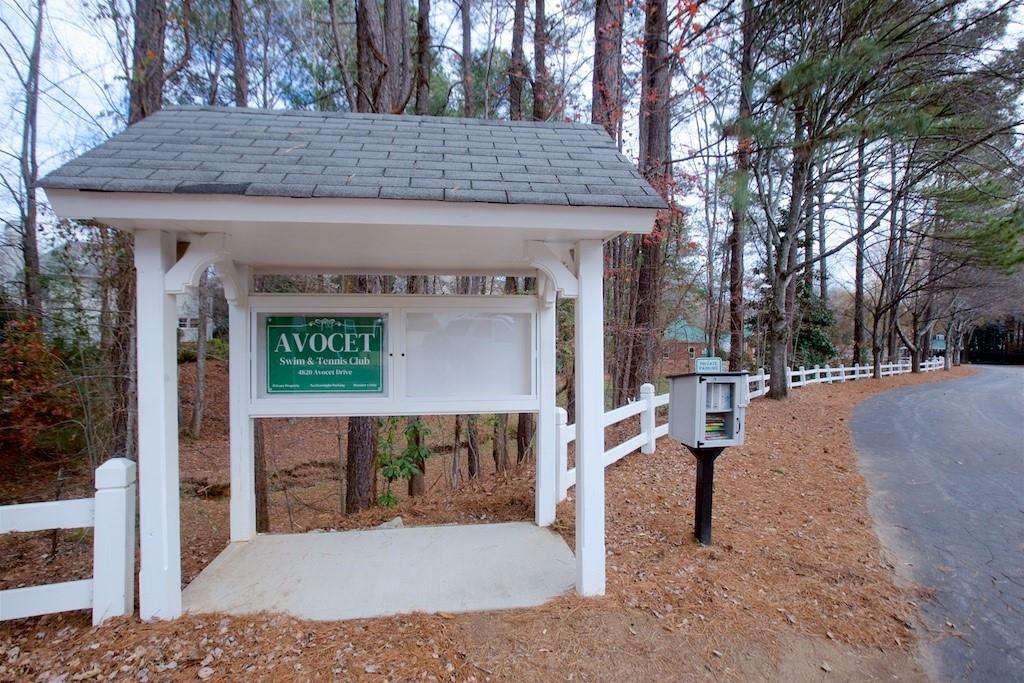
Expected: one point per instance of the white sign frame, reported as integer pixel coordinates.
(394, 401)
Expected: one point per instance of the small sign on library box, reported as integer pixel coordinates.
(708, 364)
(323, 354)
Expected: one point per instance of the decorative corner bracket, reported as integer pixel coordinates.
(208, 250)
(235, 280)
(200, 255)
(555, 261)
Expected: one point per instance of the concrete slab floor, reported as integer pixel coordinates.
(377, 572)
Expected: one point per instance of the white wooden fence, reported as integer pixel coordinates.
(111, 513)
(649, 402)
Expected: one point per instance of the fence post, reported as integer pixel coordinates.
(789, 377)
(113, 579)
(647, 420)
(761, 383)
(562, 451)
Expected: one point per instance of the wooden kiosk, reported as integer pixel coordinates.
(254, 191)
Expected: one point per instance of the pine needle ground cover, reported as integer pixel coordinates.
(796, 585)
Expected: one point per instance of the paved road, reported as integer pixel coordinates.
(945, 464)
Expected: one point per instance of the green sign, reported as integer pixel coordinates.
(708, 364)
(320, 354)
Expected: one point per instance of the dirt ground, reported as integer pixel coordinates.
(795, 587)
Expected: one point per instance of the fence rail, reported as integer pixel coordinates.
(111, 513)
(649, 402)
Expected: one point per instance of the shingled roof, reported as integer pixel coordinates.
(276, 153)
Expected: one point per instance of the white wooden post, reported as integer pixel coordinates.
(789, 377)
(113, 580)
(817, 374)
(243, 466)
(590, 549)
(842, 372)
(546, 494)
(647, 418)
(762, 383)
(159, 516)
(802, 376)
(562, 471)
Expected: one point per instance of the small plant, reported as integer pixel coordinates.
(218, 348)
(402, 465)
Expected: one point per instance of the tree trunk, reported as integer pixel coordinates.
(341, 51)
(30, 173)
(655, 165)
(455, 473)
(782, 310)
(778, 342)
(360, 463)
(517, 68)
(469, 103)
(398, 75)
(418, 480)
(524, 436)
(808, 263)
(606, 109)
(371, 59)
(339, 437)
(145, 96)
(540, 67)
(202, 320)
(147, 85)
(472, 447)
(822, 248)
(500, 444)
(741, 200)
(423, 59)
(858, 286)
(362, 438)
(240, 71)
(262, 489)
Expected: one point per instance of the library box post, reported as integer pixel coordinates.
(707, 413)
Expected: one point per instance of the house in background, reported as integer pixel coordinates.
(682, 344)
(72, 292)
(188, 318)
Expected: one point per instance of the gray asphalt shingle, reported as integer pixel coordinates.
(218, 150)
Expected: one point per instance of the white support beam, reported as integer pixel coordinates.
(546, 493)
(243, 472)
(159, 516)
(551, 259)
(590, 547)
